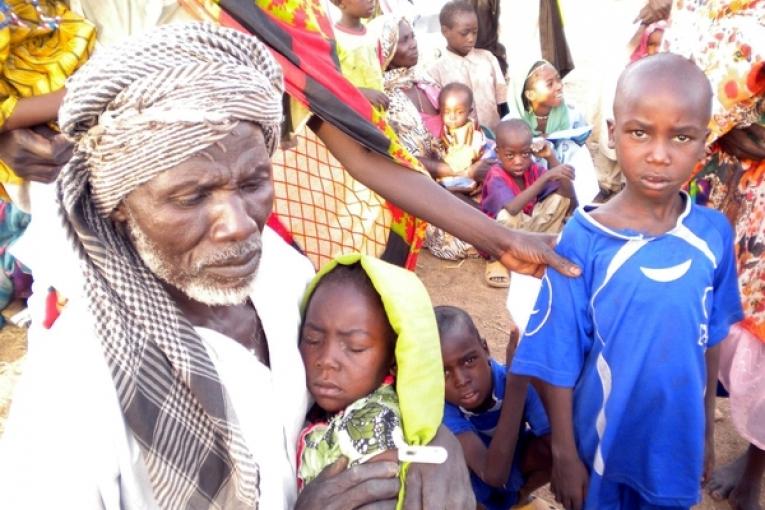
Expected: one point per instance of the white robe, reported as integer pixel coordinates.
(66, 444)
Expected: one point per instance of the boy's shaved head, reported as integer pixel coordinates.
(512, 129)
(665, 72)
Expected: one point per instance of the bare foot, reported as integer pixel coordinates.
(746, 494)
(724, 479)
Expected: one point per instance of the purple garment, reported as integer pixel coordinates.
(499, 189)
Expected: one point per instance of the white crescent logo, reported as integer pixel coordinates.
(666, 274)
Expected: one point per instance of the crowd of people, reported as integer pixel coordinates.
(213, 212)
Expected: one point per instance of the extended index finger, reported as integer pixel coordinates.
(556, 261)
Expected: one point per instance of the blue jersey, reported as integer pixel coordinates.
(630, 336)
(535, 423)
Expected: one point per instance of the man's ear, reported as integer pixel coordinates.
(611, 141)
(120, 214)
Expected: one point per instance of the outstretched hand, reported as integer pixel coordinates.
(654, 10)
(529, 253)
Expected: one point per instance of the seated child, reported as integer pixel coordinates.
(463, 63)
(629, 351)
(498, 420)
(462, 144)
(350, 350)
(522, 194)
(358, 50)
(544, 110)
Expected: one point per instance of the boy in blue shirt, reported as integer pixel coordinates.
(628, 350)
(490, 414)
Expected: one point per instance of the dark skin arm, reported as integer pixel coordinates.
(493, 464)
(31, 111)
(417, 193)
(712, 358)
(437, 168)
(562, 174)
(569, 475)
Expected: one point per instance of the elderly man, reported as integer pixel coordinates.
(173, 379)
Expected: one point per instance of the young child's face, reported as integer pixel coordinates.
(658, 138)
(546, 88)
(514, 151)
(357, 8)
(346, 344)
(466, 368)
(455, 109)
(462, 35)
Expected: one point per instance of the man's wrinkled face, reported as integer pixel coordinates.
(198, 225)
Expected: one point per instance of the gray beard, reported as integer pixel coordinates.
(194, 283)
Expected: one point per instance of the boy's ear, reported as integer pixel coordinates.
(484, 345)
(611, 141)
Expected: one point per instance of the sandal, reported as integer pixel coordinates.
(496, 275)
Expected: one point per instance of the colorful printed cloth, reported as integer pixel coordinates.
(41, 44)
(725, 38)
(366, 428)
(15, 280)
(315, 209)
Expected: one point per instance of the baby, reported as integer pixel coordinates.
(462, 144)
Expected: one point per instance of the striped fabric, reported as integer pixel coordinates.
(134, 111)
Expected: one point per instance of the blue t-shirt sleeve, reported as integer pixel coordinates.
(455, 421)
(726, 300)
(559, 332)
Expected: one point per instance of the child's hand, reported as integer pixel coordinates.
(709, 460)
(560, 173)
(479, 169)
(377, 98)
(569, 481)
(544, 150)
